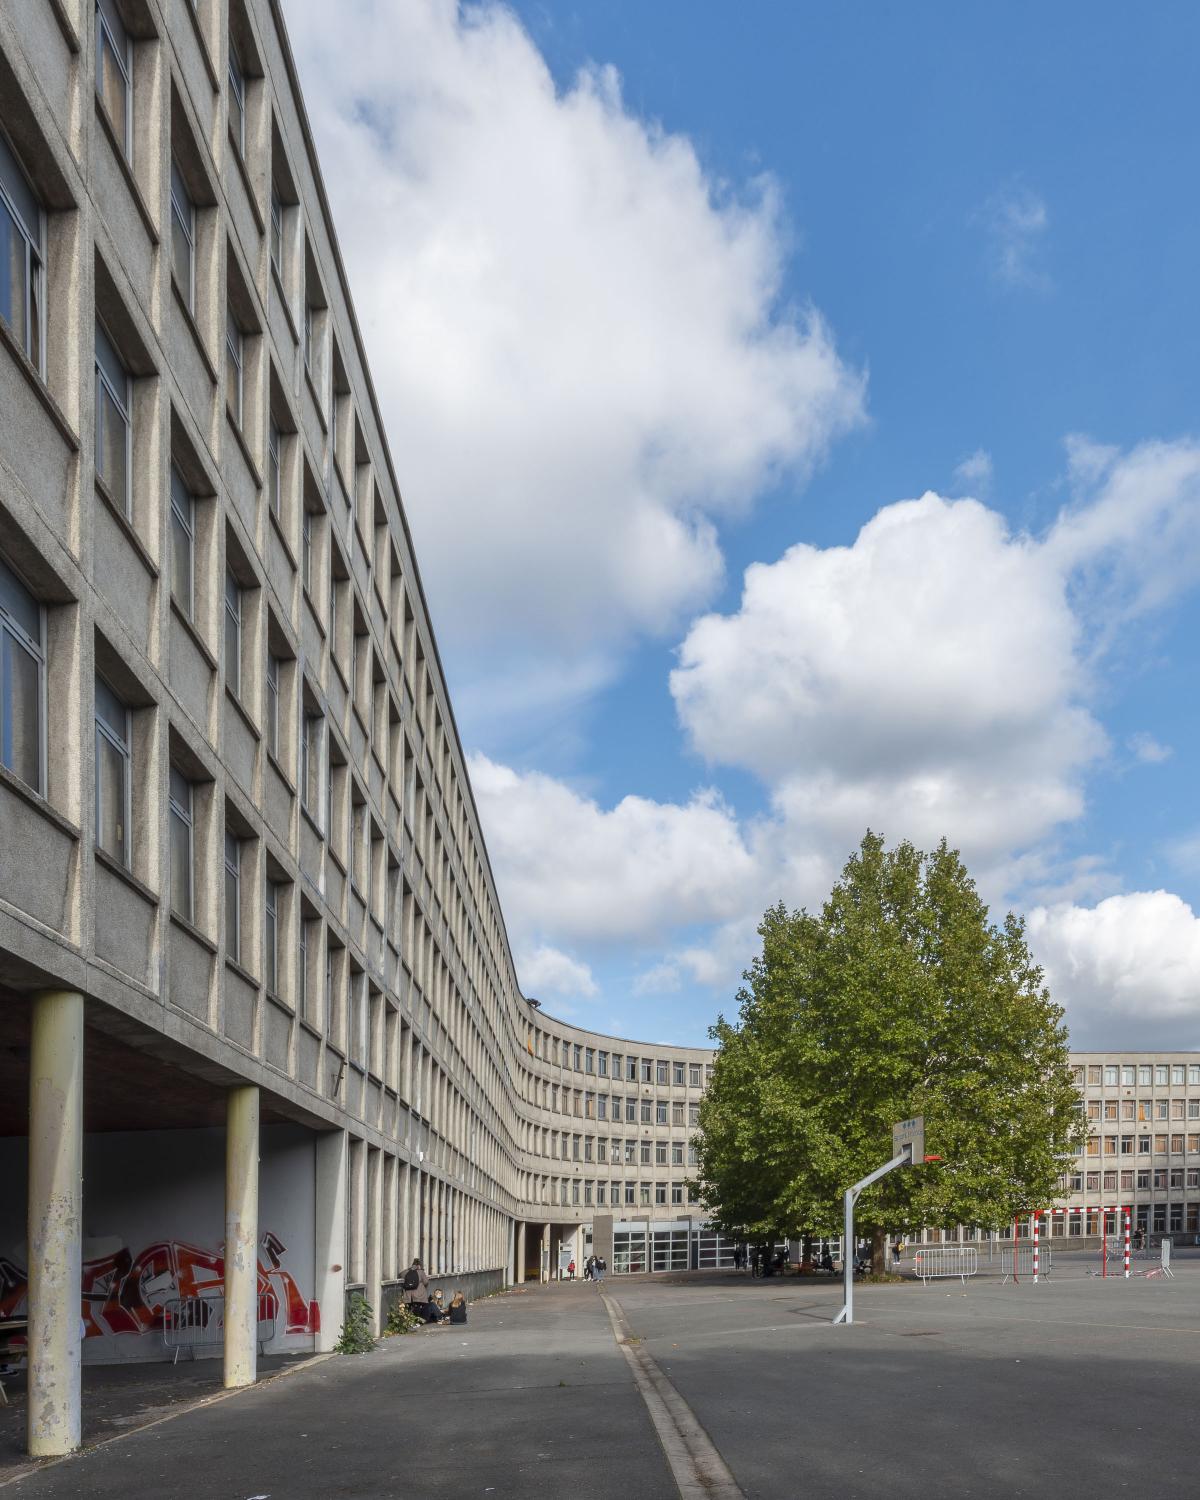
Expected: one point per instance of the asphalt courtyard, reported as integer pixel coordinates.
(711, 1386)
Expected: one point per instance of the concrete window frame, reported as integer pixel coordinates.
(114, 773)
(23, 219)
(23, 631)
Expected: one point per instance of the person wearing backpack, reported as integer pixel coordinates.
(415, 1290)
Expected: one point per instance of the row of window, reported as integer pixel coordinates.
(1146, 1145)
(1143, 1109)
(632, 1153)
(632, 1194)
(589, 1106)
(617, 1065)
(1136, 1075)
(1145, 1178)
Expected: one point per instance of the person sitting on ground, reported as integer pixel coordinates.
(457, 1312)
(826, 1262)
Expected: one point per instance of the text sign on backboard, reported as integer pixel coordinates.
(910, 1133)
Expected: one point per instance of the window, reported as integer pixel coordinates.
(589, 1060)
(578, 1057)
(183, 545)
(693, 1114)
(22, 257)
(309, 338)
(677, 1075)
(677, 1192)
(276, 232)
(660, 1193)
(1144, 1074)
(661, 1071)
(694, 1075)
(112, 773)
(274, 476)
(1127, 1074)
(114, 71)
(233, 897)
(1093, 1109)
(180, 804)
(661, 1112)
(1110, 1109)
(237, 99)
(311, 744)
(183, 236)
(233, 634)
(271, 937)
(677, 1112)
(1160, 1074)
(303, 974)
(306, 524)
(1193, 1073)
(1110, 1076)
(1094, 1074)
(273, 704)
(1176, 1073)
(602, 1064)
(677, 1153)
(660, 1153)
(22, 681)
(113, 429)
(1160, 1109)
(1126, 1145)
(234, 361)
(1143, 1145)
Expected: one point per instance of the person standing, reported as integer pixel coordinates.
(571, 1269)
(599, 1268)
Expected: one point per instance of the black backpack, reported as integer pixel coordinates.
(412, 1279)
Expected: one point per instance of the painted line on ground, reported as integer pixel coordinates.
(699, 1471)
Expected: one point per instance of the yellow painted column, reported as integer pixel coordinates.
(241, 1236)
(55, 1234)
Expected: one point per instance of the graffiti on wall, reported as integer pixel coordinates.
(124, 1293)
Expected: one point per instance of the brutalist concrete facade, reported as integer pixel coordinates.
(238, 847)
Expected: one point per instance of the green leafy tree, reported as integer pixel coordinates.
(901, 998)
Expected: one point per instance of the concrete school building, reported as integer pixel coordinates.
(263, 1038)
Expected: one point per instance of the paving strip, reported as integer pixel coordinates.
(699, 1471)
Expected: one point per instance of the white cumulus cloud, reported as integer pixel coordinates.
(545, 970)
(924, 680)
(1127, 970)
(576, 331)
(570, 871)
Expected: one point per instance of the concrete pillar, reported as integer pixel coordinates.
(373, 1231)
(329, 1250)
(241, 1235)
(544, 1273)
(55, 1208)
(521, 1252)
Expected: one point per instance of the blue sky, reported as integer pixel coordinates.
(657, 294)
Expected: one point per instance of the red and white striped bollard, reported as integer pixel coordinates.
(1035, 1216)
(1127, 1244)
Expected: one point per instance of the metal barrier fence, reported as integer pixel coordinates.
(1018, 1263)
(946, 1260)
(191, 1323)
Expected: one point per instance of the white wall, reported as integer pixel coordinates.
(153, 1227)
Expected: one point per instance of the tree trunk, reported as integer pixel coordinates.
(806, 1261)
(878, 1252)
